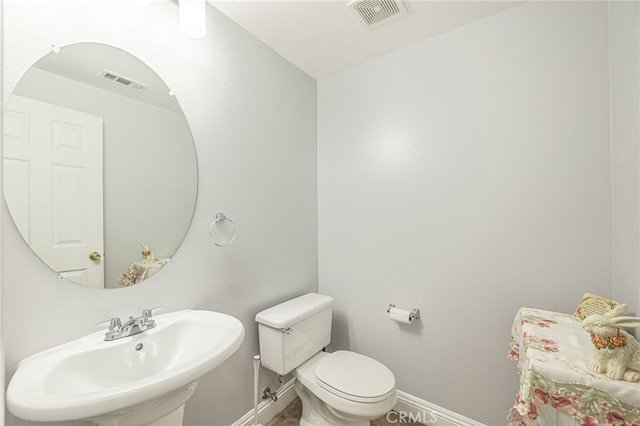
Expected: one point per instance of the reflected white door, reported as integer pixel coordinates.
(53, 185)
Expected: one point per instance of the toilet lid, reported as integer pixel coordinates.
(355, 376)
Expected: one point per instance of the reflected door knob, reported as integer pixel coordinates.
(94, 255)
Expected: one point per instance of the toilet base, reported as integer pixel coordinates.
(316, 413)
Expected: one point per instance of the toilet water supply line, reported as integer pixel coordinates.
(266, 392)
(256, 373)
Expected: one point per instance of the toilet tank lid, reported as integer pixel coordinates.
(288, 313)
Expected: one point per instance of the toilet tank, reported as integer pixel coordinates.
(294, 331)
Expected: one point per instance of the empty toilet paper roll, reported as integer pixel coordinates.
(401, 315)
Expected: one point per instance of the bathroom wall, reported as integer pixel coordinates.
(468, 175)
(253, 119)
(625, 134)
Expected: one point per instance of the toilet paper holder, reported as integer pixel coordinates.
(415, 312)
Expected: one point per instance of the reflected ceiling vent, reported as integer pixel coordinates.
(124, 81)
(377, 12)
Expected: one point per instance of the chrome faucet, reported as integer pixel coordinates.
(117, 330)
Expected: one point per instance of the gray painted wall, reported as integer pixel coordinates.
(467, 175)
(253, 118)
(625, 137)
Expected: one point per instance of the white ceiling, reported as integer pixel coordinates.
(322, 37)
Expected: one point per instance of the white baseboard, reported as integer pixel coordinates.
(268, 409)
(424, 412)
(408, 406)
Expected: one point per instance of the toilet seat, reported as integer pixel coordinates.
(355, 377)
(305, 376)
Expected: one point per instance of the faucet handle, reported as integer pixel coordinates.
(114, 324)
(147, 314)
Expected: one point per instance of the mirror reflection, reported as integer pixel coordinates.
(100, 172)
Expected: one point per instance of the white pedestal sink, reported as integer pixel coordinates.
(139, 380)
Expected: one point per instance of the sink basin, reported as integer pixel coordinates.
(143, 379)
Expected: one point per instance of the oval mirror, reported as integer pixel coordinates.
(100, 171)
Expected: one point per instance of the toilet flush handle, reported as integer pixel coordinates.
(288, 330)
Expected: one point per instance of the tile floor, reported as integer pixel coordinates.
(290, 416)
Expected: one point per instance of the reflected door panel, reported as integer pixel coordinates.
(54, 155)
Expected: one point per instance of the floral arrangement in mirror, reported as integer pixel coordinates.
(133, 275)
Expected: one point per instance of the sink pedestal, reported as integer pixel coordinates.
(171, 419)
(164, 411)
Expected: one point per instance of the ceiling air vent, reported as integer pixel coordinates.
(377, 12)
(124, 81)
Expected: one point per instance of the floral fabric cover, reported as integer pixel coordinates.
(553, 354)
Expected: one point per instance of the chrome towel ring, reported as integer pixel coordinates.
(219, 219)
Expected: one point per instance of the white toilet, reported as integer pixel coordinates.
(340, 388)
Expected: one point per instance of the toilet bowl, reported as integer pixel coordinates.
(341, 388)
